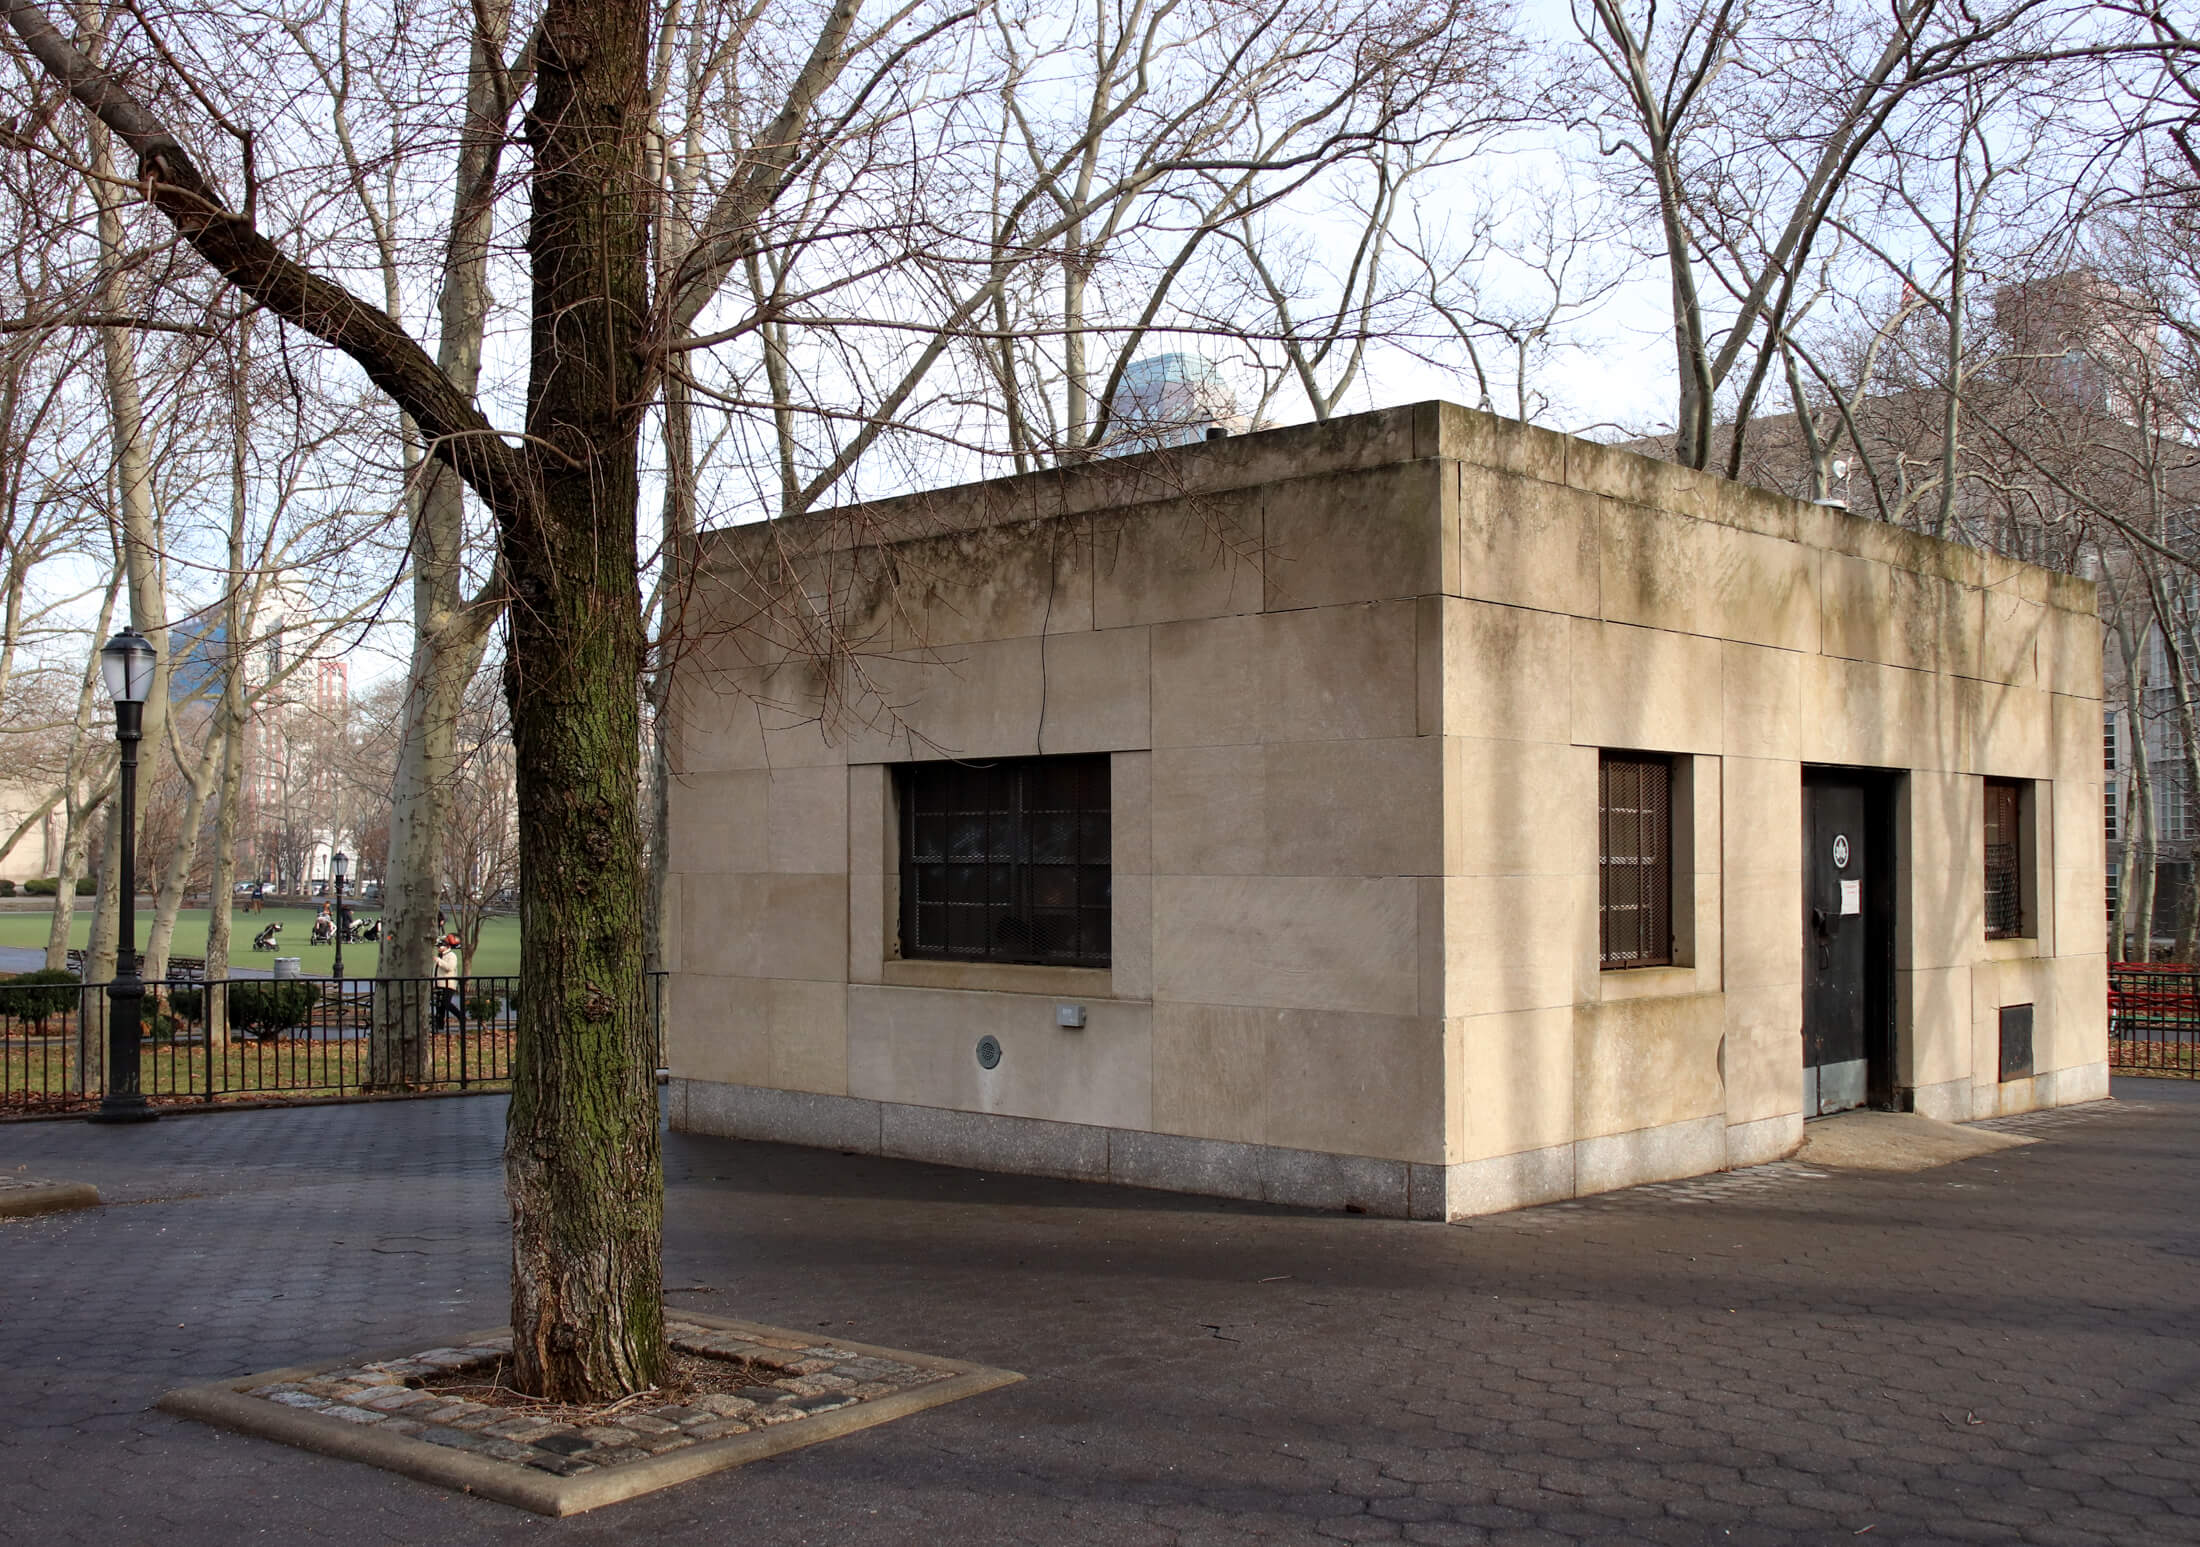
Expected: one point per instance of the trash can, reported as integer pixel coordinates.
(287, 967)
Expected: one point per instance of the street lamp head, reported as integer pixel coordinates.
(126, 665)
(340, 866)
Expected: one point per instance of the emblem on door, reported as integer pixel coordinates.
(1841, 851)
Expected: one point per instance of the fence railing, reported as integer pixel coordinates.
(2154, 1018)
(268, 1039)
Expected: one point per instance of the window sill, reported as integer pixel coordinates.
(1645, 982)
(2011, 948)
(1001, 978)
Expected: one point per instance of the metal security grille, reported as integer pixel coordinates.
(2154, 1019)
(2004, 860)
(1635, 874)
(1006, 861)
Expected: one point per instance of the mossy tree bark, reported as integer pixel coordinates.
(582, 1168)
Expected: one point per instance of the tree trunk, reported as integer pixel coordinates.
(221, 905)
(679, 524)
(139, 556)
(76, 838)
(229, 711)
(2119, 927)
(582, 1167)
(427, 762)
(175, 876)
(84, 785)
(1951, 411)
(1077, 382)
(2140, 847)
(449, 633)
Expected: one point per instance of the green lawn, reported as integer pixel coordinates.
(497, 957)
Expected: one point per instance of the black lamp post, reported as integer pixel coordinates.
(126, 665)
(339, 866)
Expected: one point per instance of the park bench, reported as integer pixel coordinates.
(186, 968)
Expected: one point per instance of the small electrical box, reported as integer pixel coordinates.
(1070, 1017)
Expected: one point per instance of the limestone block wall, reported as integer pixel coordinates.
(1610, 602)
(1352, 680)
(1270, 1023)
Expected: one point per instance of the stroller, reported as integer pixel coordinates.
(265, 939)
(358, 931)
(324, 931)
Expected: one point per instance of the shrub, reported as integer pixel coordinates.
(481, 1007)
(50, 886)
(187, 1004)
(266, 1007)
(37, 996)
(7, 888)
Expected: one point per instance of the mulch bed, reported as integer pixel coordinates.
(688, 1379)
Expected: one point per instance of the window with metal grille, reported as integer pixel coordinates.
(1635, 869)
(1006, 861)
(2112, 880)
(2004, 859)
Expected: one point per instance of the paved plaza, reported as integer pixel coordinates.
(2002, 1350)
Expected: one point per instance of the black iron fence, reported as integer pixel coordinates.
(268, 1039)
(2154, 1019)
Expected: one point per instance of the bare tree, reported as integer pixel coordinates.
(1721, 113)
(582, 1171)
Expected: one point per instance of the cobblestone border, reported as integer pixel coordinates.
(354, 1409)
(21, 1195)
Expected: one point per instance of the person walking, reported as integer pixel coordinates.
(446, 982)
(259, 894)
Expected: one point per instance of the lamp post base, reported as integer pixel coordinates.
(122, 1109)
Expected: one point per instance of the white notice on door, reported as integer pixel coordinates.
(1852, 897)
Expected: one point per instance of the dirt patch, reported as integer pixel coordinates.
(689, 1377)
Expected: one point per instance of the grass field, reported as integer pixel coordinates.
(498, 955)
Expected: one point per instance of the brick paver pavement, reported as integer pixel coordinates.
(2004, 1350)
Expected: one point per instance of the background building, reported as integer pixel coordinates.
(1172, 400)
(293, 794)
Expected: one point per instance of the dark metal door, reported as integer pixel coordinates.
(1837, 864)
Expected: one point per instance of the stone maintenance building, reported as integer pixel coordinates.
(1413, 812)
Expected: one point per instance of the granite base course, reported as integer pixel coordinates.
(1312, 1179)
